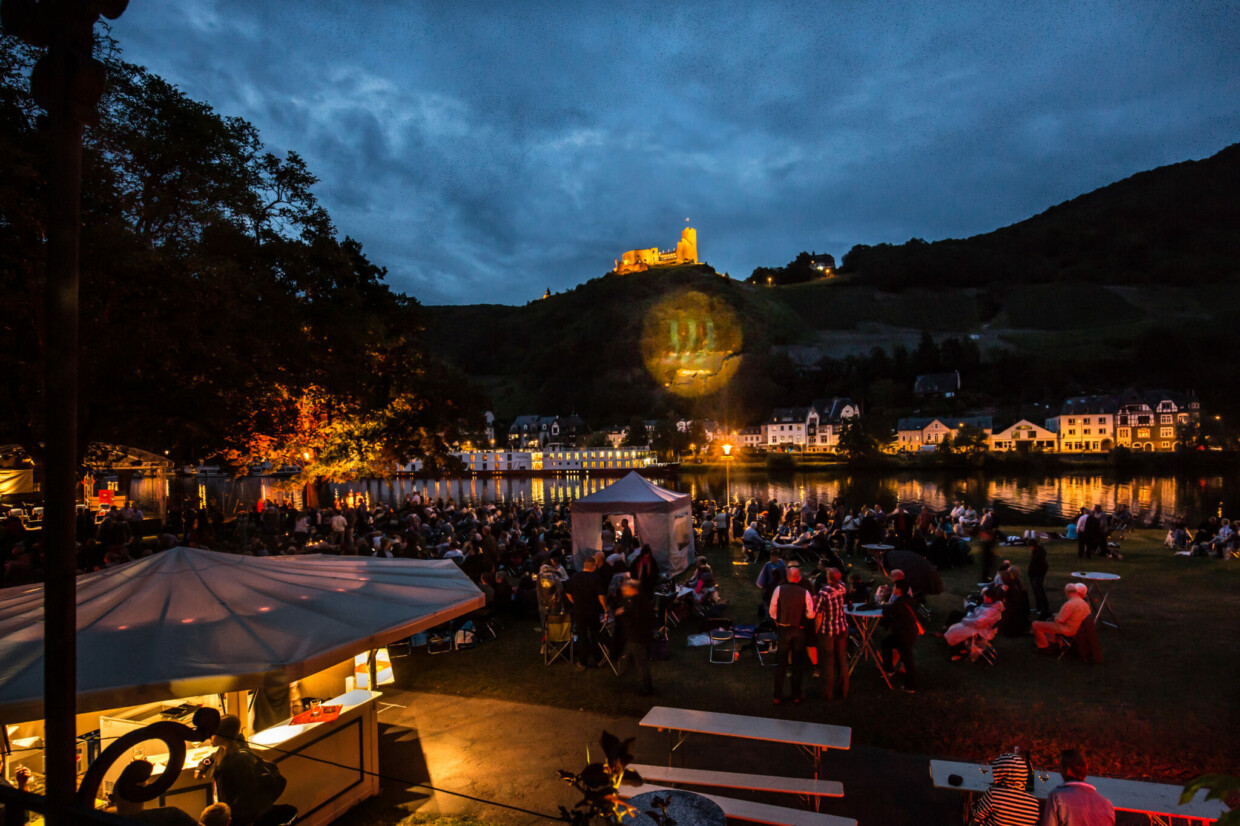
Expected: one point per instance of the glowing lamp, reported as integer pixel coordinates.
(727, 449)
(383, 669)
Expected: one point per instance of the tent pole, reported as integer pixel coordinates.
(373, 665)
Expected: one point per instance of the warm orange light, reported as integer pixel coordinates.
(727, 449)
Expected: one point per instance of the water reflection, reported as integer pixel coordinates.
(1042, 500)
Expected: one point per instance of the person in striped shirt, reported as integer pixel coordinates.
(1006, 802)
(831, 629)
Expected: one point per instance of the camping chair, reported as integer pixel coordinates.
(766, 644)
(557, 638)
(981, 648)
(606, 643)
(722, 638)
(440, 640)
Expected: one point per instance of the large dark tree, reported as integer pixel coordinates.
(221, 313)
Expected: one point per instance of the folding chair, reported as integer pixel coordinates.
(557, 638)
(982, 649)
(440, 640)
(766, 644)
(721, 639)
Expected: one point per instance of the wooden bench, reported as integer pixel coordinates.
(1159, 802)
(756, 812)
(733, 780)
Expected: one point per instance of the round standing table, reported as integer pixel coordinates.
(687, 809)
(1099, 586)
(866, 620)
(879, 552)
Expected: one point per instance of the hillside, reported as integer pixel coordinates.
(1131, 283)
(1176, 224)
(582, 350)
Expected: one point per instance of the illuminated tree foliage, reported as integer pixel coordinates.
(221, 313)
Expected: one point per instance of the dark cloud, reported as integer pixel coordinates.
(483, 152)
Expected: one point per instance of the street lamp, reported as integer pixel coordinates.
(727, 472)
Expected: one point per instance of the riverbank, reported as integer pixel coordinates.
(1121, 459)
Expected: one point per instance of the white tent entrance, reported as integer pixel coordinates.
(659, 517)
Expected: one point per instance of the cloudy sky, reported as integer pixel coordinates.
(485, 151)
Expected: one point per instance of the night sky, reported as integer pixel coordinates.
(483, 152)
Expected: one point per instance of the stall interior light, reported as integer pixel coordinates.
(383, 669)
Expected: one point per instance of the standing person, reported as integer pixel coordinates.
(988, 534)
(1038, 567)
(831, 626)
(236, 772)
(900, 617)
(646, 571)
(1082, 546)
(771, 575)
(1076, 803)
(790, 606)
(587, 597)
(625, 541)
(634, 620)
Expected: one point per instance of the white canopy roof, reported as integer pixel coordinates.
(658, 516)
(188, 621)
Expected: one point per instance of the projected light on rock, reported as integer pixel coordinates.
(691, 343)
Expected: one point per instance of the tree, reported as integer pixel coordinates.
(221, 314)
(970, 440)
(857, 442)
(637, 435)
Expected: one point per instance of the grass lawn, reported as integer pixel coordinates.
(1162, 705)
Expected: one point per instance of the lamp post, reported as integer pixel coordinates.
(67, 83)
(727, 472)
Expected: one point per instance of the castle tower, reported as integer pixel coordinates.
(686, 248)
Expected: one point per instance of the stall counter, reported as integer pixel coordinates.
(330, 766)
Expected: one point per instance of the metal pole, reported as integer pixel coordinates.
(61, 401)
(67, 83)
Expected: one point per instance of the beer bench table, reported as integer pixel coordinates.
(1159, 802)
(733, 780)
(812, 738)
(756, 812)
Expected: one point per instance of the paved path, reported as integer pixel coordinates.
(510, 752)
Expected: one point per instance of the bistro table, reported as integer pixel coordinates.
(866, 620)
(879, 552)
(1099, 585)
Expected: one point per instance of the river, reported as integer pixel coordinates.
(1018, 498)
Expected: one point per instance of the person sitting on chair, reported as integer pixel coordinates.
(1074, 611)
(982, 622)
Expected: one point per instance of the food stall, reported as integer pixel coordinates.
(162, 636)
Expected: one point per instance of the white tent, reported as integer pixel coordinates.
(186, 622)
(659, 517)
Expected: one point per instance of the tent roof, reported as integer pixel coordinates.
(632, 494)
(188, 621)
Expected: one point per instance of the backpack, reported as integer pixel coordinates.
(268, 782)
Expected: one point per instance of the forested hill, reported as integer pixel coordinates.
(581, 350)
(1177, 224)
(1130, 284)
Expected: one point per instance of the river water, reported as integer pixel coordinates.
(1018, 498)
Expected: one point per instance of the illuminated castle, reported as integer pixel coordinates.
(638, 260)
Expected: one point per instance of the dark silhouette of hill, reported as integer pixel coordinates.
(1177, 224)
(582, 350)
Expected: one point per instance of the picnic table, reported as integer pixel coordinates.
(866, 620)
(1099, 585)
(811, 738)
(1160, 802)
(879, 551)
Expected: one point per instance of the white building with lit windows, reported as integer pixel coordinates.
(1085, 424)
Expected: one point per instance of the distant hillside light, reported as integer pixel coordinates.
(692, 343)
(686, 252)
